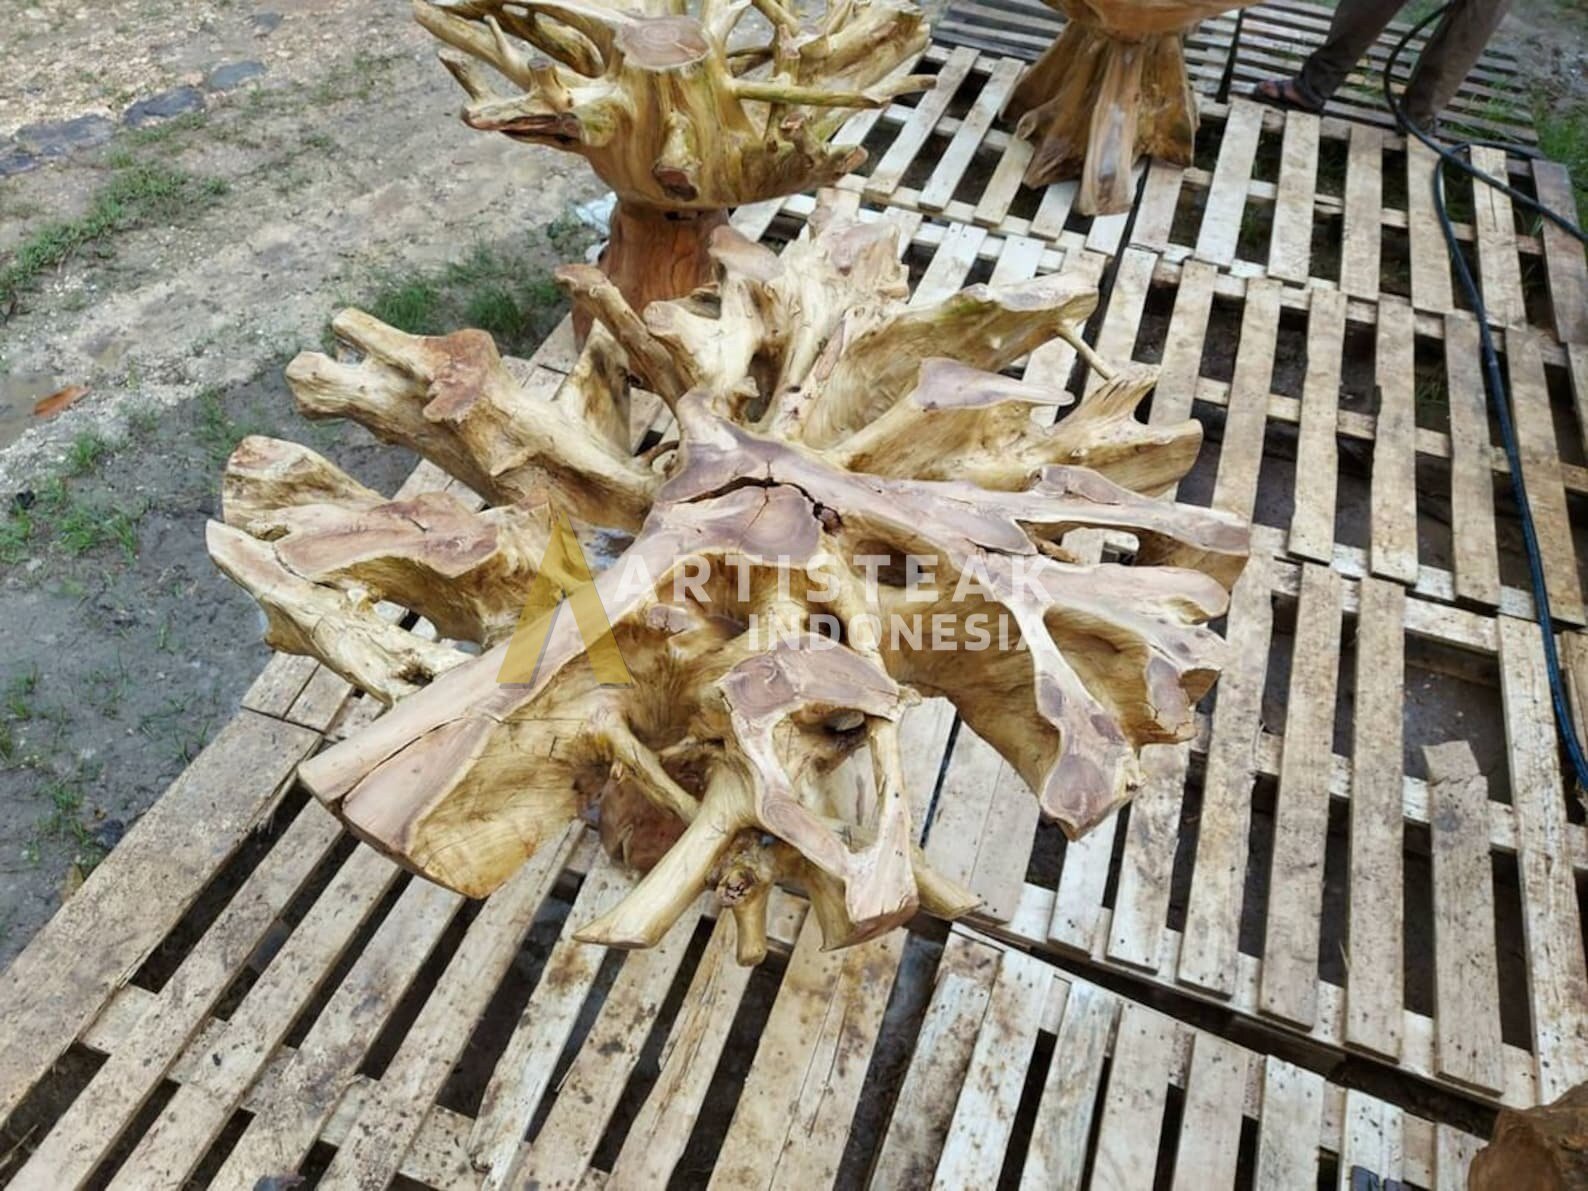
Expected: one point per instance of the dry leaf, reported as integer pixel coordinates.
(48, 407)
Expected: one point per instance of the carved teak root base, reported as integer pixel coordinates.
(675, 121)
(1111, 88)
(820, 422)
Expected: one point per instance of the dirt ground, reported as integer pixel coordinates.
(339, 174)
(245, 169)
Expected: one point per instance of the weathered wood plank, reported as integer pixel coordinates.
(1246, 416)
(1301, 814)
(1288, 1129)
(1290, 250)
(1056, 1159)
(1476, 555)
(1213, 912)
(1392, 514)
(1551, 924)
(1312, 525)
(1226, 204)
(1466, 975)
(973, 1151)
(1375, 997)
(139, 892)
(1364, 205)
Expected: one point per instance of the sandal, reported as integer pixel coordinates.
(1285, 93)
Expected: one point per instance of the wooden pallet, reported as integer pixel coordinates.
(1406, 440)
(257, 993)
(1448, 658)
(1019, 1065)
(337, 1017)
(1273, 40)
(1233, 876)
(1331, 204)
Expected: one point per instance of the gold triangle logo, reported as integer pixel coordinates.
(564, 581)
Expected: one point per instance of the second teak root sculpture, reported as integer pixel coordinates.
(827, 433)
(680, 122)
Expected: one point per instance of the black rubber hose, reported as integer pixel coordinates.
(1499, 397)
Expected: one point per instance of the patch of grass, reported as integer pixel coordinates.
(216, 430)
(17, 699)
(355, 79)
(87, 449)
(410, 306)
(144, 422)
(64, 822)
(505, 293)
(106, 688)
(53, 514)
(138, 193)
(16, 531)
(8, 744)
(1563, 136)
(86, 526)
(163, 131)
(174, 728)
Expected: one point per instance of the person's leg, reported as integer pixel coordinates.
(1356, 26)
(1450, 53)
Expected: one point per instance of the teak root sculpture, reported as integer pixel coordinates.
(681, 126)
(826, 432)
(1112, 87)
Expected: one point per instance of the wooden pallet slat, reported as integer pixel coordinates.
(306, 1089)
(929, 1091)
(1141, 902)
(1476, 553)
(175, 1143)
(1057, 1157)
(1018, 260)
(1577, 373)
(1138, 1087)
(985, 825)
(1361, 248)
(1312, 524)
(560, 1154)
(1552, 926)
(1565, 263)
(1246, 415)
(1287, 1139)
(1535, 440)
(1392, 499)
(1221, 220)
(973, 1151)
(1498, 264)
(1301, 815)
(1215, 1099)
(1155, 209)
(890, 169)
(84, 1133)
(1466, 977)
(1374, 974)
(660, 1132)
(393, 1114)
(1007, 179)
(1213, 913)
(1182, 351)
(793, 1117)
(1290, 249)
(1430, 255)
(1370, 1141)
(956, 159)
(525, 1067)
